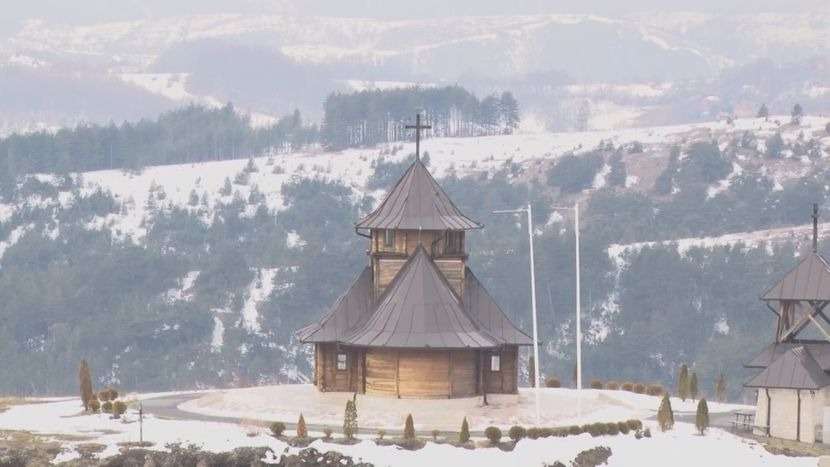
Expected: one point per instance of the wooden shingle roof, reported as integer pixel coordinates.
(480, 305)
(820, 350)
(417, 202)
(420, 309)
(349, 310)
(794, 369)
(809, 280)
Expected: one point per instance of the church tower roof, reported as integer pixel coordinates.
(417, 202)
(809, 280)
(420, 309)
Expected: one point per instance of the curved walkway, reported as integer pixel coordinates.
(168, 407)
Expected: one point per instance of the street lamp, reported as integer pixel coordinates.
(578, 297)
(529, 211)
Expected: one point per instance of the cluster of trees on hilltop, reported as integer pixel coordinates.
(197, 134)
(371, 117)
(191, 134)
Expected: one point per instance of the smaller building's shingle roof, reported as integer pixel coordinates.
(820, 350)
(417, 202)
(420, 310)
(347, 312)
(794, 369)
(809, 280)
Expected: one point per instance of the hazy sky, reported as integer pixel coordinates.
(84, 11)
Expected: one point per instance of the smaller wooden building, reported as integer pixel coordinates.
(416, 322)
(793, 379)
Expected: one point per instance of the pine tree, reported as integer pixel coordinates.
(531, 371)
(796, 114)
(702, 416)
(409, 428)
(302, 431)
(510, 111)
(693, 386)
(775, 144)
(720, 387)
(618, 172)
(464, 435)
(665, 416)
(85, 379)
(665, 181)
(227, 188)
(350, 420)
(763, 112)
(193, 198)
(683, 382)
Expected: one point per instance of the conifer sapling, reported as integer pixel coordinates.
(302, 431)
(409, 428)
(693, 386)
(86, 384)
(702, 416)
(665, 416)
(464, 435)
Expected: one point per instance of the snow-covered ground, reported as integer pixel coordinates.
(681, 446)
(559, 407)
(768, 238)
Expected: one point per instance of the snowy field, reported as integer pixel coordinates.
(559, 407)
(57, 419)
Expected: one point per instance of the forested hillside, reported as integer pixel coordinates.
(197, 274)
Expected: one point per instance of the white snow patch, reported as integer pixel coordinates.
(183, 291)
(600, 177)
(258, 292)
(722, 326)
(293, 240)
(799, 235)
(724, 184)
(218, 338)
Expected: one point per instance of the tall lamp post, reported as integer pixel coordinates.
(578, 295)
(529, 211)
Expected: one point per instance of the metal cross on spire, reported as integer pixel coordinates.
(418, 127)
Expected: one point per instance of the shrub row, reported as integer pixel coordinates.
(638, 388)
(594, 429)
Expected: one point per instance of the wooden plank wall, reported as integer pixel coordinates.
(504, 381)
(421, 373)
(453, 270)
(385, 272)
(381, 372)
(329, 378)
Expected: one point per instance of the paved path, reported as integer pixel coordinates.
(168, 407)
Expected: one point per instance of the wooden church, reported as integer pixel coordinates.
(416, 323)
(793, 379)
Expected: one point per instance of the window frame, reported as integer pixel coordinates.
(495, 362)
(342, 364)
(388, 238)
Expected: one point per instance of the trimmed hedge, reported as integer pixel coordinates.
(516, 433)
(493, 433)
(655, 390)
(612, 386)
(553, 383)
(594, 429)
(277, 428)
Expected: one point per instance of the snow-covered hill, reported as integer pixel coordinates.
(461, 156)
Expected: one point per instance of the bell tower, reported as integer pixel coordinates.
(800, 298)
(416, 212)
